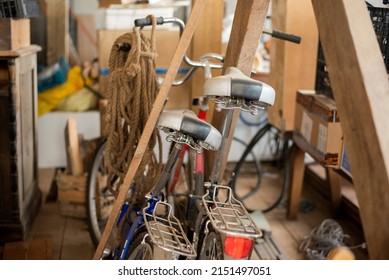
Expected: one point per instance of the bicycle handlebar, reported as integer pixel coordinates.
(204, 61)
(283, 36)
(140, 22)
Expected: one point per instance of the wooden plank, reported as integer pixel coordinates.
(57, 16)
(39, 249)
(50, 224)
(207, 39)
(360, 86)
(293, 65)
(76, 243)
(75, 166)
(20, 52)
(246, 30)
(86, 37)
(152, 121)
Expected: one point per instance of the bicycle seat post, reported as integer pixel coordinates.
(225, 132)
(166, 172)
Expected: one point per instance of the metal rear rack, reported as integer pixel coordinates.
(229, 216)
(165, 230)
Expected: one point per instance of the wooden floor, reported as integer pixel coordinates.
(70, 239)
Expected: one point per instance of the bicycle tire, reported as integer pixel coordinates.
(211, 246)
(96, 219)
(141, 248)
(280, 158)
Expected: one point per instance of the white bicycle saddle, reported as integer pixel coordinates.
(189, 124)
(235, 84)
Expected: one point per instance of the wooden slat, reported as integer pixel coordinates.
(152, 120)
(360, 85)
(246, 30)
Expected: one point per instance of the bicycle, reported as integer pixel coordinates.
(220, 221)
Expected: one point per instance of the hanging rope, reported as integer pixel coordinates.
(132, 90)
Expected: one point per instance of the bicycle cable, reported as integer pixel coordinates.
(285, 152)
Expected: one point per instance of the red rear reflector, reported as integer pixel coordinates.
(237, 247)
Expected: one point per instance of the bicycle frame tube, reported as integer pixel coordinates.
(135, 225)
(225, 132)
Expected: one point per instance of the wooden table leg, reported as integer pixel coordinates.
(298, 168)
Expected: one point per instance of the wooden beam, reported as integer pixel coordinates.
(182, 47)
(292, 66)
(246, 30)
(57, 14)
(360, 86)
(207, 39)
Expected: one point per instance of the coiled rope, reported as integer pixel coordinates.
(132, 89)
(322, 239)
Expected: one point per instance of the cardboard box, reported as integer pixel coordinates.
(345, 163)
(166, 41)
(15, 34)
(317, 128)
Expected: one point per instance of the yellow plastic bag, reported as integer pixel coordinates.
(50, 98)
(80, 101)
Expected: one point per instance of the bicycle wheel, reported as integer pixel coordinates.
(141, 248)
(211, 246)
(263, 188)
(100, 200)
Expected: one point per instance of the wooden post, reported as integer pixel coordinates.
(360, 86)
(333, 180)
(152, 121)
(247, 27)
(296, 185)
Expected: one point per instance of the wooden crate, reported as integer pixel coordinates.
(15, 33)
(72, 194)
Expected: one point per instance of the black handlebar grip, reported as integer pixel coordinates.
(147, 21)
(288, 37)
